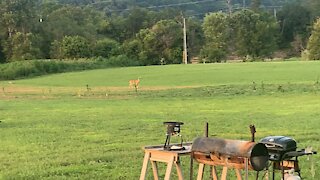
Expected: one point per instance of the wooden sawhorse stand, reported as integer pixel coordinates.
(214, 173)
(156, 154)
(235, 163)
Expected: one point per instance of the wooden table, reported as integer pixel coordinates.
(156, 154)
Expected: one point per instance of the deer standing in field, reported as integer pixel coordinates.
(134, 83)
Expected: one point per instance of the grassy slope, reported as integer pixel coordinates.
(189, 75)
(101, 138)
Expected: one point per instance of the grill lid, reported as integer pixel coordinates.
(280, 143)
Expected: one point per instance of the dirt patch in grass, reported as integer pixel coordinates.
(29, 92)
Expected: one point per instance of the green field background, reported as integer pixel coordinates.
(55, 133)
(188, 75)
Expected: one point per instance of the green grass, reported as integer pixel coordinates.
(60, 135)
(189, 75)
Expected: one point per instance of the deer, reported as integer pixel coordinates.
(134, 83)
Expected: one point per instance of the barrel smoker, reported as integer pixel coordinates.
(236, 154)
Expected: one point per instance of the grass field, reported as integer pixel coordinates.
(53, 127)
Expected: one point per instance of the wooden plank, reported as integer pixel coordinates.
(238, 173)
(200, 171)
(179, 171)
(191, 166)
(160, 147)
(214, 173)
(144, 166)
(169, 169)
(155, 170)
(161, 156)
(224, 173)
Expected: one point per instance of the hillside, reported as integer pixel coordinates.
(191, 7)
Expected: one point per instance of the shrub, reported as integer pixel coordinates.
(121, 61)
(314, 42)
(31, 68)
(75, 47)
(106, 48)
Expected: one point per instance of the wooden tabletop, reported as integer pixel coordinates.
(186, 150)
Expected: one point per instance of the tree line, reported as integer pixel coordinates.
(146, 36)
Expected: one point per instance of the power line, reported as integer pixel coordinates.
(180, 4)
(175, 5)
(165, 5)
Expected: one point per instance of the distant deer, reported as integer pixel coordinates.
(134, 83)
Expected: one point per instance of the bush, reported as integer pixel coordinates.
(314, 42)
(31, 68)
(121, 61)
(75, 47)
(106, 48)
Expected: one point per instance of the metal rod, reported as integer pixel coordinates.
(191, 166)
(206, 130)
(253, 131)
(282, 169)
(167, 142)
(273, 169)
(206, 134)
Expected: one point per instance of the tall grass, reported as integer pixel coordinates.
(31, 68)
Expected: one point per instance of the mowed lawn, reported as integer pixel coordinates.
(53, 127)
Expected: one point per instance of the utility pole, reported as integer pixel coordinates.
(185, 52)
(244, 4)
(229, 3)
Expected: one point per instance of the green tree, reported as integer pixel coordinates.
(162, 41)
(195, 37)
(22, 46)
(137, 19)
(216, 31)
(254, 34)
(73, 21)
(294, 20)
(255, 5)
(17, 16)
(56, 50)
(16, 24)
(127, 25)
(106, 48)
(75, 47)
(313, 47)
(314, 6)
(132, 48)
(2, 56)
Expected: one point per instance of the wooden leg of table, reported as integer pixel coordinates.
(155, 170)
(191, 167)
(179, 171)
(169, 169)
(200, 171)
(214, 173)
(238, 173)
(144, 166)
(246, 161)
(224, 173)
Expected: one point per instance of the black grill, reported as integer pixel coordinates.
(279, 146)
